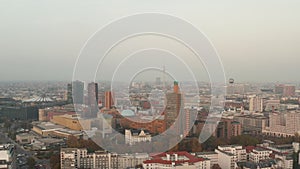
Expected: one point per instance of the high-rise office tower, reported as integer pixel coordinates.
(173, 107)
(188, 118)
(108, 100)
(77, 92)
(92, 100)
(69, 93)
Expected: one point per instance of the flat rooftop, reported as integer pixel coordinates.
(48, 126)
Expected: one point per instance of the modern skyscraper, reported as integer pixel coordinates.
(108, 100)
(173, 107)
(69, 93)
(92, 100)
(77, 92)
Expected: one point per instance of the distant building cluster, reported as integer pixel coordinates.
(86, 110)
(263, 156)
(79, 158)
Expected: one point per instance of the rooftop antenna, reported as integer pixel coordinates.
(163, 78)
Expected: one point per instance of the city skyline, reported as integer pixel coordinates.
(255, 41)
(150, 84)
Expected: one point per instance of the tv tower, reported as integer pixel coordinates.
(164, 78)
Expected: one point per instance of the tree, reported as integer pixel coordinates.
(89, 144)
(55, 161)
(244, 140)
(31, 162)
(139, 166)
(196, 146)
(212, 143)
(296, 137)
(216, 166)
(296, 160)
(72, 142)
(7, 123)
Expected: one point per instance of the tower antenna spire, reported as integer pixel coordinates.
(164, 78)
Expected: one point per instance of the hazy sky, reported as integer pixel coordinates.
(256, 40)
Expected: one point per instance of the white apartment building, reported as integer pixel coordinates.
(6, 155)
(176, 160)
(285, 162)
(212, 156)
(226, 160)
(229, 155)
(132, 160)
(68, 158)
(258, 154)
(72, 158)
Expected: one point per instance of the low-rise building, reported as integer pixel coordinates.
(24, 138)
(133, 136)
(46, 129)
(176, 160)
(258, 154)
(99, 159)
(284, 161)
(47, 114)
(79, 158)
(132, 160)
(264, 164)
(6, 155)
(229, 155)
(212, 156)
(69, 158)
(46, 143)
(73, 122)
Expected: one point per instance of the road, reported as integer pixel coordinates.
(20, 150)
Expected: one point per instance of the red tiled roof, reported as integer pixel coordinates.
(249, 148)
(158, 158)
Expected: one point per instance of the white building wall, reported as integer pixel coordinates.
(225, 160)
